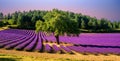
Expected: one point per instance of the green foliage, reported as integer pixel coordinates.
(1, 24)
(15, 17)
(109, 25)
(27, 20)
(20, 20)
(119, 26)
(12, 26)
(11, 21)
(59, 23)
(40, 26)
(90, 23)
(83, 24)
(1, 15)
(8, 16)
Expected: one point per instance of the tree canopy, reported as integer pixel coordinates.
(59, 23)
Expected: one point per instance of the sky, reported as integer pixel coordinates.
(109, 9)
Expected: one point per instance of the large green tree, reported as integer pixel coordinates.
(58, 23)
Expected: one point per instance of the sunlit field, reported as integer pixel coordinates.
(12, 55)
(59, 30)
(3, 28)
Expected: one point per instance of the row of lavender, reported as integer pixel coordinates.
(103, 43)
(100, 39)
(29, 40)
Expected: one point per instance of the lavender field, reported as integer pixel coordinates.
(85, 43)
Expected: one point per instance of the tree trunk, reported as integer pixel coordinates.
(57, 39)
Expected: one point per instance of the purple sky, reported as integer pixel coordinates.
(109, 9)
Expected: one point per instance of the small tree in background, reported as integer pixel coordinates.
(1, 15)
(83, 24)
